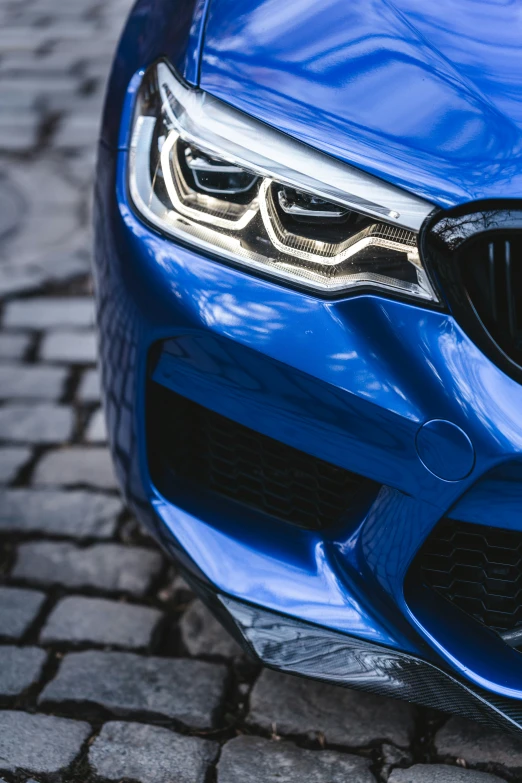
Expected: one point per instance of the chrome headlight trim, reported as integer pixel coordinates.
(376, 248)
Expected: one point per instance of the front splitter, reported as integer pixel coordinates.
(295, 647)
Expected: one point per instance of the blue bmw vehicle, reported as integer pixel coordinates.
(309, 284)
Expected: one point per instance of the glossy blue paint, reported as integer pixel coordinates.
(191, 66)
(426, 95)
(359, 381)
(500, 489)
(263, 562)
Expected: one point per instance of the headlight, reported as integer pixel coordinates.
(217, 179)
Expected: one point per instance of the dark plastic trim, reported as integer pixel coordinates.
(443, 240)
(296, 647)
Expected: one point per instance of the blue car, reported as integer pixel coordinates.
(309, 284)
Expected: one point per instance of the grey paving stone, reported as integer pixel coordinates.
(202, 634)
(18, 610)
(49, 64)
(16, 39)
(20, 667)
(89, 107)
(72, 347)
(76, 620)
(110, 567)
(476, 744)
(96, 430)
(39, 743)
(78, 131)
(11, 460)
(393, 757)
(99, 46)
(89, 388)
(65, 264)
(19, 134)
(177, 591)
(150, 754)
(76, 466)
(80, 167)
(36, 423)
(55, 220)
(440, 773)
(49, 313)
(129, 685)
(12, 207)
(98, 68)
(14, 346)
(40, 173)
(75, 514)
(15, 280)
(13, 96)
(31, 381)
(45, 35)
(27, 90)
(258, 760)
(345, 717)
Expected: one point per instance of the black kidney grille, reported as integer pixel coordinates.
(216, 454)
(479, 569)
(492, 275)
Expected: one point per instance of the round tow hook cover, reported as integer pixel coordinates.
(445, 450)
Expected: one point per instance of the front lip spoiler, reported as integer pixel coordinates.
(296, 647)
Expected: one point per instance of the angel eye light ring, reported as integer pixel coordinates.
(195, 214)
(270, 219)
(268, 215)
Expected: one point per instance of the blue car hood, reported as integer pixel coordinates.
(427, 95)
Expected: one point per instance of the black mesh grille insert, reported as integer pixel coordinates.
(479, 569)
(492, 275)
(212, 453)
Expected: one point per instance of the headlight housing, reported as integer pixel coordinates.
(211, 176)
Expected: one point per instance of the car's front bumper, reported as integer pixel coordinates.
(351, 381)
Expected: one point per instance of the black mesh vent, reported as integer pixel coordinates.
(492, 275)
(212, 453)
(479, 569)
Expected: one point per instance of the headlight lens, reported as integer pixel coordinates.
(207, 174)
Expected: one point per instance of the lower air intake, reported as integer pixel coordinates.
(211, 453)
(478, 569)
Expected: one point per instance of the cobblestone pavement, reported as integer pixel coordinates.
(110, 669)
